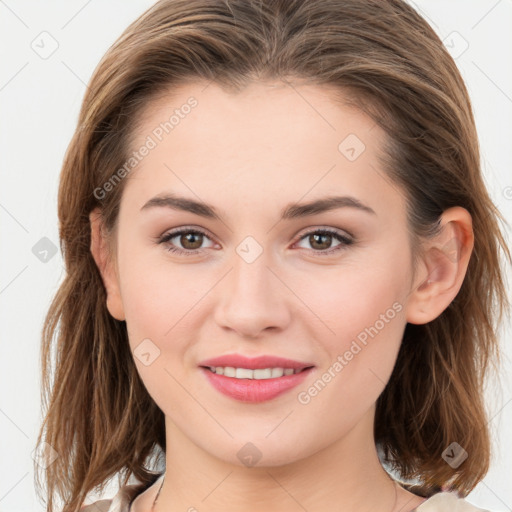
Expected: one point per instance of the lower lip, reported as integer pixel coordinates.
(253, 390)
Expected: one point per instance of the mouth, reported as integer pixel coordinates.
(254, 379)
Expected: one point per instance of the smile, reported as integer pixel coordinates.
(254, 379)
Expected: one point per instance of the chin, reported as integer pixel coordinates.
(261, 452)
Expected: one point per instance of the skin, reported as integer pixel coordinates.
(250, 155)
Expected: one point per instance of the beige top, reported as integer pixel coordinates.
(440, 502)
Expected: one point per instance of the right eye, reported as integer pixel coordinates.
(189, 239)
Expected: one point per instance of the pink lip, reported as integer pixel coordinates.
(254, 363)
(252, 390)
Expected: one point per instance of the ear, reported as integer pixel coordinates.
(442, 267)
(106, 265)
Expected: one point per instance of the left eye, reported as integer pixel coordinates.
(322, 240)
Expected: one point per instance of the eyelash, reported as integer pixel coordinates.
(345, 241)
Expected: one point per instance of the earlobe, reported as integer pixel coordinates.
(100, 253)
(443, 266)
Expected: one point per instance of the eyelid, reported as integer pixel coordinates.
(327, 229)
(188, 229)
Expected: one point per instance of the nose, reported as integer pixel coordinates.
(252, 300)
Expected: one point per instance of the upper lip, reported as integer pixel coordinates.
(253, 363)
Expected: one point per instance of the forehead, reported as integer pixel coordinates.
(274, 140)
(261, 108)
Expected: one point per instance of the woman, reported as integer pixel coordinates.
(283, 267)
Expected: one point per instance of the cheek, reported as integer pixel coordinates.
(156, 294)
(159, 307)
(164, 306)
(358, 304)
(359, 359)
(362, 307)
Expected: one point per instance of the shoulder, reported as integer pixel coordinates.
(97, 506)
(447, 502)
(119, 503)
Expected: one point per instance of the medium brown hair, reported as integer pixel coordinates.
(381, 56)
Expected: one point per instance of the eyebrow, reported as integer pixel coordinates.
(291, 211)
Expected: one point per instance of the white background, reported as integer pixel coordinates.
(40, 100)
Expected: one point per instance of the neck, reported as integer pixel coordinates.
(344, 476)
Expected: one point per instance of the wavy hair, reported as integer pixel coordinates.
(378, 55)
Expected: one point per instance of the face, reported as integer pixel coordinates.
(257, 273)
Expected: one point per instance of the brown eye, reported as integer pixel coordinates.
(191, 240)
(185, 241)
(321, 241)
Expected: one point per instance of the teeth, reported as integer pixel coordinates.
(258, 374)
(229, 371)
(277, 372)
(265, 373)
(244, 373)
